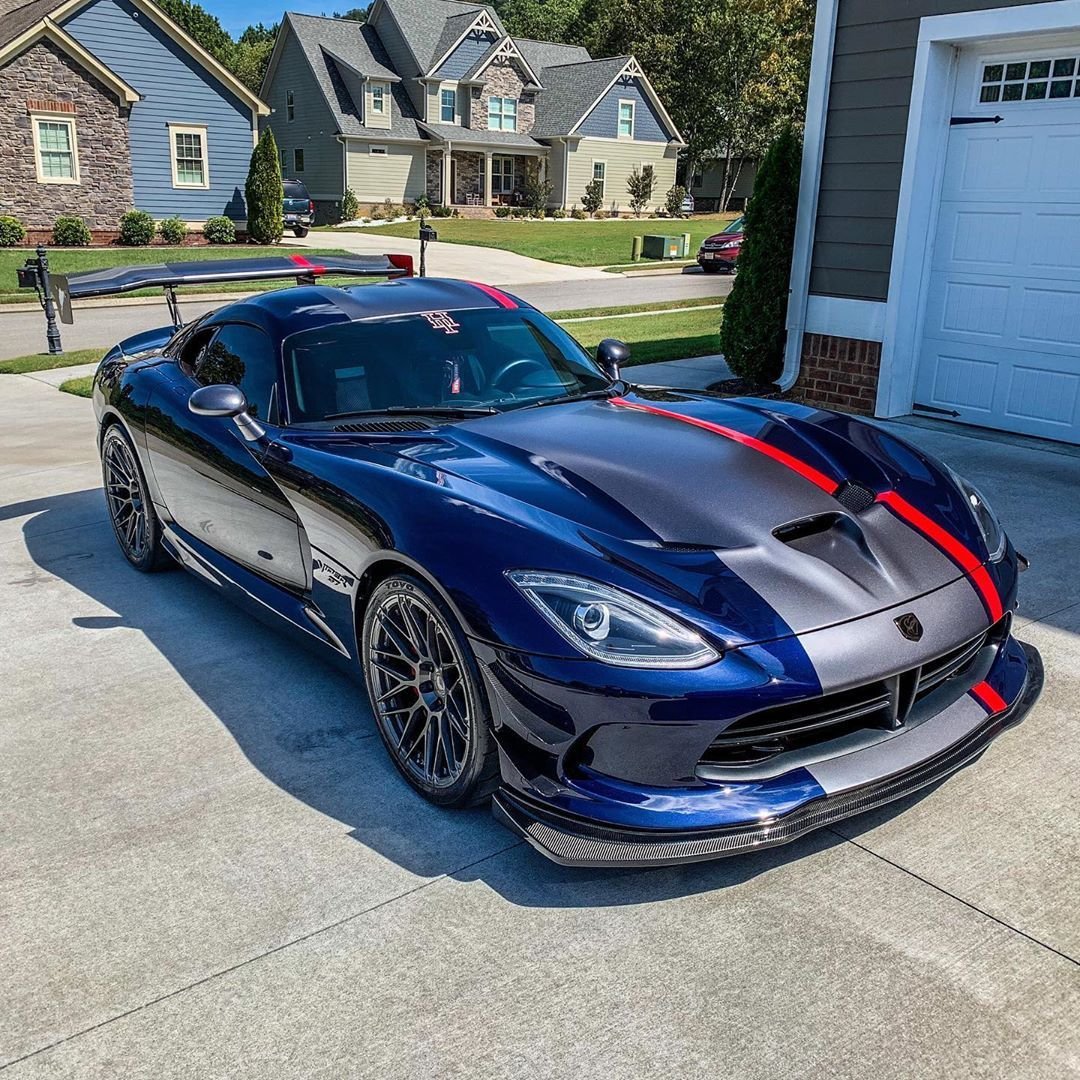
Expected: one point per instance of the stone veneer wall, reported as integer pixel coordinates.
(434, 176)
(46, 76)
(504, 79)
(839, 372)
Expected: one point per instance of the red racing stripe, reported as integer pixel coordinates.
(312, 268)
(500, 298)
(989, 698)
(965, 559)
(808, 472)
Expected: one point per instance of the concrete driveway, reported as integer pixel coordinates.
(211, 870)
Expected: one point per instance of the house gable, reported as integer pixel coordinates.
(602, 121)
(473, 48)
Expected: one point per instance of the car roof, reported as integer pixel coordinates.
(282, 312)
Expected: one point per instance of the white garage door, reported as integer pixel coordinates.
(1002, 323)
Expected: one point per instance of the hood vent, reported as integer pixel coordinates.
(403, 424)
(855, 497)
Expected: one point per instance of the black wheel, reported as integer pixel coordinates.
(137, 529)
(300, 231)
(426, 695)
(710, 268)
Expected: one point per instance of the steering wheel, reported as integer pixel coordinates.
(510, 365)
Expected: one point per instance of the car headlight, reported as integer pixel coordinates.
(727, 245)
(992, 533)
(612, 626)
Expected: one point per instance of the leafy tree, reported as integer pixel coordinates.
(545, 20)
(752, 335)
(593, 197)
(535, 190)
(264, 194)
(350, 206)
(673, 200)
(353, 14)
(202, 26)
(640, 188)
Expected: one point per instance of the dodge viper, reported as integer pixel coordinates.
(650, 626)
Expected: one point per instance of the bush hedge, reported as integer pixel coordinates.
(350, 206)
(12, 231)
(173, 230)
(219, 230)
(136, 228)
(264, 193)
(70, 231)
(752, 334)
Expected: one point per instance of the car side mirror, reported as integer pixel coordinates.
(227, 401)
(611, 354)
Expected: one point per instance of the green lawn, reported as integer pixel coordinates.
(629, 309)
(662, 337)
(79, 387)
(72, 260)
(575, 243)
(46, 362)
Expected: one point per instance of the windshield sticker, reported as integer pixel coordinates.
(440, 320)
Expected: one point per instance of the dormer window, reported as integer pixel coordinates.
(502, 114)
(378, 99)
(448, 106)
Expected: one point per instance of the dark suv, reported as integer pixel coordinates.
(299, 208)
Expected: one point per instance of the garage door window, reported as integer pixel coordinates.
(1031, 80)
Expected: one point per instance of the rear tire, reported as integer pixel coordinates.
(426, 694)
(127, 498)
(301, 232)
(710, 269)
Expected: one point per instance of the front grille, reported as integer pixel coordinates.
(885, 704)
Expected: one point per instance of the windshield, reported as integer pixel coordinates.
(734, 227)
(479, 359)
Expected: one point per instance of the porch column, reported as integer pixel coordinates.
(448, 195)
(487, 178)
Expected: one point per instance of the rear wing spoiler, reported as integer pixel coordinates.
(170, 276)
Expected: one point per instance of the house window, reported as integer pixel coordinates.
(283, 158)
(1044, 79)
(626, 120)
(378, 151)
(56, 153)
(378, 99)
(298, 160)
(502, 175)
(448, 109)
(599, 172)
(189, 165)
(502, 114)
(698, 179)
(290, 106)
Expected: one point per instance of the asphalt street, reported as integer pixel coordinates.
(22, 333)
(211, 870)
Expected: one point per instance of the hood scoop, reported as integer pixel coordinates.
(386, 425)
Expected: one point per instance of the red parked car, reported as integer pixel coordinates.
(721, 250)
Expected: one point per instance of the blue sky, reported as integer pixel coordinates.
(235, 15)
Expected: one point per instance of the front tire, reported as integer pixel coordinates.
(300, 232)
(127, 498)
(710, 268)
(426, 694)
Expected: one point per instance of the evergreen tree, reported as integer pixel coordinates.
(264, 194)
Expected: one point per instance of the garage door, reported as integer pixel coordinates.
(1002, 321)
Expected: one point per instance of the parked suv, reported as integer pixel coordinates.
(299, 207)
(721, 250)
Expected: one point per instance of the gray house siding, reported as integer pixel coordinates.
(176, 89)
(865, 130)
(401, 58)
(461, 60)
(603, 121)
(313, 127)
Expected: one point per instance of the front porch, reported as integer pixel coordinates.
(480, 179)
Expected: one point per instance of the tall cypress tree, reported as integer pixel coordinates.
(263, 191)
(753, 333)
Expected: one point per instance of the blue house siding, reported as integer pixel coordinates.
(465, 55)
(176, 89)
(603, 121)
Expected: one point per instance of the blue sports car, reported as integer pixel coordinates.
(649, 625)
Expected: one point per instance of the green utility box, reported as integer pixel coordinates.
(662, 247)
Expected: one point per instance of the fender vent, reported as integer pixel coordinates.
(404, 424)
(855, 497)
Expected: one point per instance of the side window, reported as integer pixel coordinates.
(188, 348)
(244, 356)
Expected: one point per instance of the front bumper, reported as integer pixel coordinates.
(571, 840)
(723, 259)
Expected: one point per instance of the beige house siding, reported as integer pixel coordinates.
(372, 119)
(622, 157)
(557, 173)
(398, 174)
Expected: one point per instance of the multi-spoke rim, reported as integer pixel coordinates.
(126, 498)
(418, 686)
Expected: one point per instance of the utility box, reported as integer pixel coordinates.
(662, 247)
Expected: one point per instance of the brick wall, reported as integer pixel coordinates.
(839, 373)
(44, 77)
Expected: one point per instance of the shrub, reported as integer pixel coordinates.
(538, 213)
(601, 215)
(219, 230)
(136, 228)
(70, 231)
(577, 213)
(519, 212)
(558, 213)
(535, 190)
(502, 211)
(350, 206)
(423, 205)
(264, 194)
(674, 199)
(640, 188)
(752, 334)
(172, 230)
(593, 198)
(441, 211)
(12, 231)
(376, 213)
